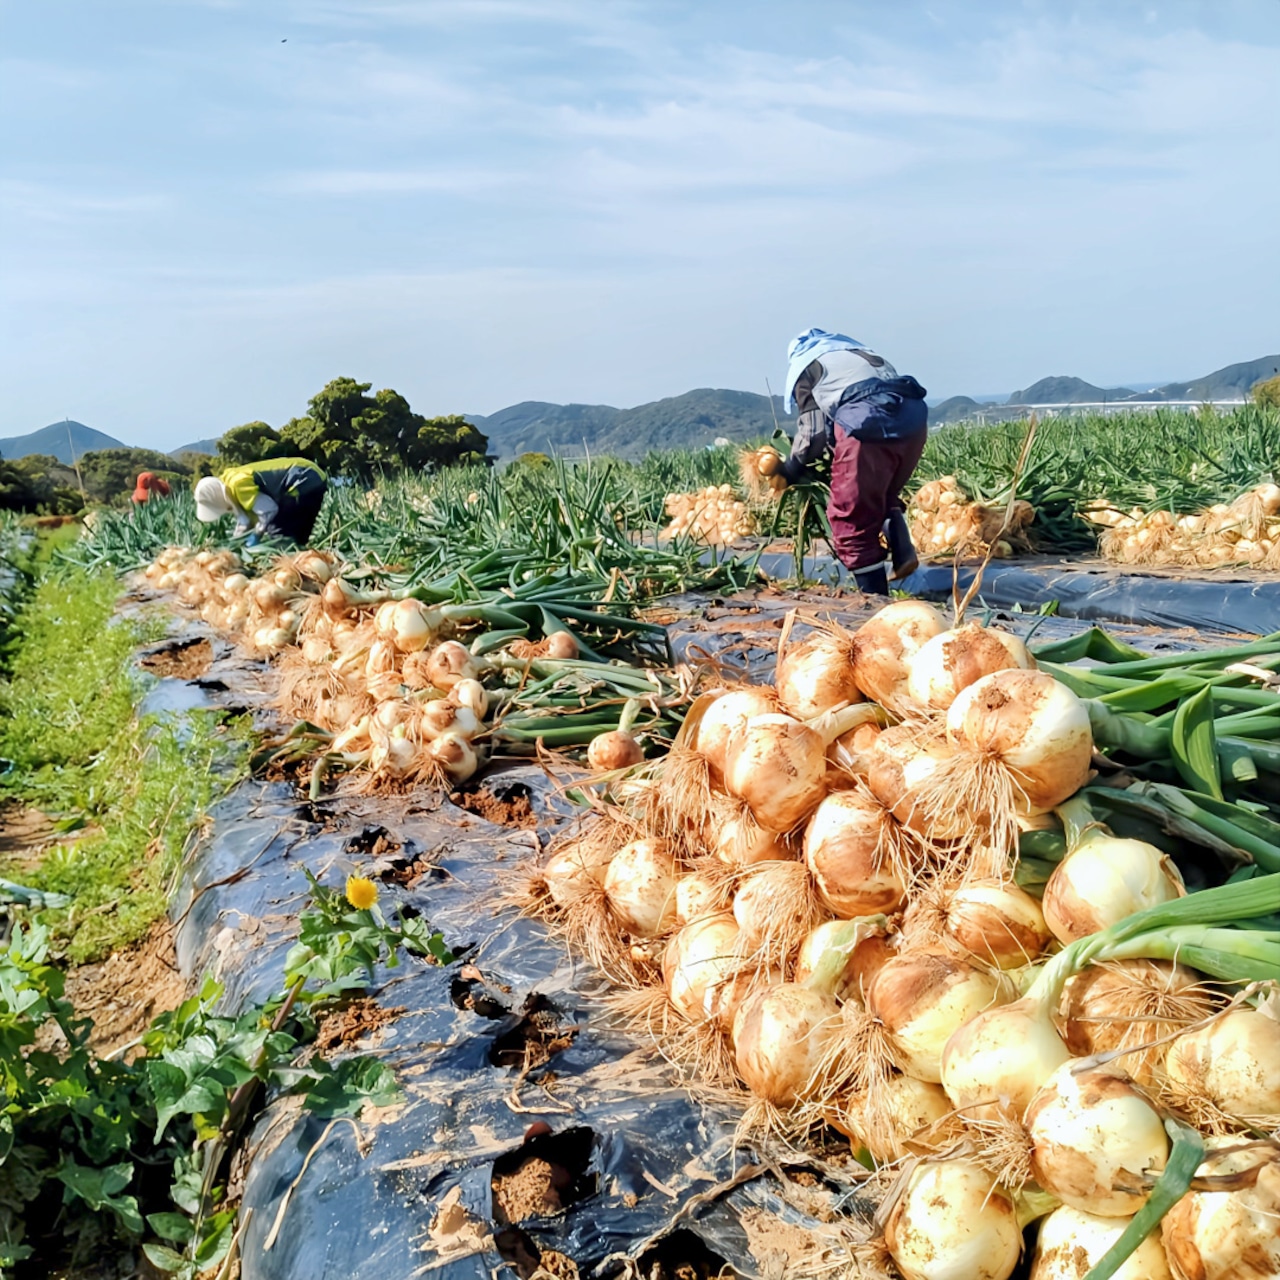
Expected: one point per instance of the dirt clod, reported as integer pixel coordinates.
(338, 1029)
(532, 1191)
(184, 660)
(513, 808)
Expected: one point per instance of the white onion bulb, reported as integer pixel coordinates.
(451, 663)
(697, 960)
(1234, 1062)
(885, 644)
(846, 846)
(780, 1035)
(953, 1222)
(815, 676)
(616, 749)
(954, 660)
(725, 714)
(640, 886)
(1103, 881)
(1094, 1136)
(778, 766)
(1071, 1243)
(575, 872)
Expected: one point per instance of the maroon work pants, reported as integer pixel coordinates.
(866, 484)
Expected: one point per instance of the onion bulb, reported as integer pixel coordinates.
(992, 920)
(921, 998)
(725, 714)
(815, 676)
(904, 1110)
(561, 645)
(954, 660)
(1233, 1063)
(833, 958)
(1104, 880)
(471, 694)
(1228, 1235)
(1034, 727)
(454, 755)
(885, 644)
(413, 625)
(443, 716)
(855, 850)
(697, 895)
(1071, 1243)
(775, 907)
(381, 658)
(393, 753)
(852, 751)
(905, 769)
(616, 749)
(778, 766)
(450, 663)
(640, 886)
(1124, 1004)
(316, 649)
(698, 959)
(1000, 1059)
(1095, 1137)
(738, 840)
(574, 873)
(780, 1035)
(952, 1222)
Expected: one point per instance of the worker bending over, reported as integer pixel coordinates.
(852, 402)
(278, 498)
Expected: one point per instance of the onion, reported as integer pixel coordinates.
(235, 584)
(393, 753)
(1035, 728)
(779, 1037)
(381, 658)
(561, 645)
(698, 959)
(997, 1061)
(776, 906)
(640, 886)
(995, 921)
(903, 1111)
(614, 750)
(1072, 1243)
(450, 663)
(471, 694)
(354, 737)
(953, 1223)
(855, 850)
(311, 564)
(833, 957)
(454, 755)
(1233, 1063)
(384, 619)
(574, 873)
(288, 578)
(885, 644)
(413, 625)
(921, 998)
(725, 714)
(443, 716)
(778, 766)
(1094, 1135)
(815, 676)
(1104, 880)
(738, 840)
(1126, 1003)
(852, 751)
(393, 711)
(904, 769)
(1228, 1235)
(699, 895)
(954, 660)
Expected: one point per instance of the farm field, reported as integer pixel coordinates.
(479, 928)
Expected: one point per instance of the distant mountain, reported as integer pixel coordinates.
(58, 439)
(199, 446)
(689, 421)
(1066, 390)
(953, 409)
(1226, 384)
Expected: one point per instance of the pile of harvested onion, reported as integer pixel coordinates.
(811, 900)
(943, 520)
(1244, 532)
(712, 515)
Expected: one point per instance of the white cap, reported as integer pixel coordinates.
(212, 501)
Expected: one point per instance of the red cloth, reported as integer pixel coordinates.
(150, 486)
(866, 484)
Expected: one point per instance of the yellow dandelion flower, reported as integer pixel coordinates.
(361, 893)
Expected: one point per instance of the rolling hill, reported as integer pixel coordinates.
(198, 446)
(1067, 390)
(57, 440)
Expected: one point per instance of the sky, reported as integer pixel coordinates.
(209, 208)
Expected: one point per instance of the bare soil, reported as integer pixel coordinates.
(532, 1191)
(341, 1028)
(512, 810)
(185, 660)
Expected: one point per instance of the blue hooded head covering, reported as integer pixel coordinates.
(806, 348)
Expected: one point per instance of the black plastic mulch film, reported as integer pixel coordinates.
(529, 1132)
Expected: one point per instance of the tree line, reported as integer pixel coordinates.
(347, 430)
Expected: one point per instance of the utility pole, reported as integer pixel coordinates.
(75, 462)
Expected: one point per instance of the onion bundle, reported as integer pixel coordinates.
(943, 520)
(711, 515)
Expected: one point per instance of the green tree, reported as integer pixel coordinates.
(251, 442)
(1267, 393)
(38, 483)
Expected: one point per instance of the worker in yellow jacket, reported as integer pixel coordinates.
(276, 498)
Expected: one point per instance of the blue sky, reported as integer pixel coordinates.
(210, 207)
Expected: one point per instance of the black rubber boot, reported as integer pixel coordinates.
(874, 581)
(897, 534)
